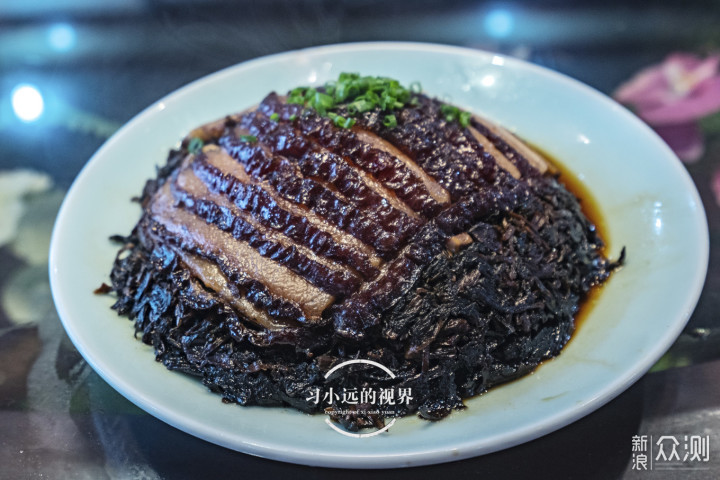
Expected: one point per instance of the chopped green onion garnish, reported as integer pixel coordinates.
(353, 95)
(390, 121)
(454, 114)
(360, 105)
(322, 100)
(292, 117)
(195, 145)
(357, 94)
(341, 121)
(449, 111)
(248, 138)
(297, 95)
(275, 117)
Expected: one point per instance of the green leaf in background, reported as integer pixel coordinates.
(710, 124)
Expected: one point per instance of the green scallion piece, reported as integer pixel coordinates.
(454, 114)
(450, 112)
(390, 121)
(297, 95)
(248, 138)
(340, 121)
(360, 105)
(323, 100)
(275, 117)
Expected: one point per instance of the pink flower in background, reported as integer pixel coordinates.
(672, 96)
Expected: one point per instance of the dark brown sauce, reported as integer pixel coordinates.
(591, 210)
(589, 205)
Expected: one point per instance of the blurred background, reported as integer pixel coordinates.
(95, 64)
(73, 71)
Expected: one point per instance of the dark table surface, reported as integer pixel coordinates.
(97, 64)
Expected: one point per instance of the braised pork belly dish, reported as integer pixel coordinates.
(358, 220)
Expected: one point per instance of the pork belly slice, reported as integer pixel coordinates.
(195, 234)
(354, 223)
(329, 275)
(272, 161)
(335, 172)
(153, 235)
(340, 173)
(359, 188)
(400, 175)
(192, 195)
(356, 184)
(498, 156)
(437, 146)
(212, 277)
(514, 149)
(223, 175)
(375, 142)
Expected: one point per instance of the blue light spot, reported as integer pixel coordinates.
(499, 23)
(27, 102)
(61, 37)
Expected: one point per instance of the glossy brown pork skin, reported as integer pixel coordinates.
(335, 224)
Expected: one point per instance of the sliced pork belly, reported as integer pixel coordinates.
(235, 258)
(386, 164)
(316, 215)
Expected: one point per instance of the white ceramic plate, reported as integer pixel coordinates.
(645, 195)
